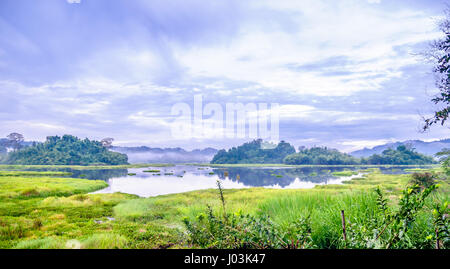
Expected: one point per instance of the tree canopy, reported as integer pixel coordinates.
(66, 150)
(321, 155)
(402, 155)
(14, 140)
(255, 151)
(440, 54)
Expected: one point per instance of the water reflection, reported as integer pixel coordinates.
(183, 178)
(153, 181)
(262, 177)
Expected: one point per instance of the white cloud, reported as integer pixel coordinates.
(125, 87)
(368, 37)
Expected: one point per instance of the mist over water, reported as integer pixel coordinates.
(168, 155)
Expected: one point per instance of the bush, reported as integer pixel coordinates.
(442, 226)
(424, 180)
(391, 228)
(237, 230)
(383, 227)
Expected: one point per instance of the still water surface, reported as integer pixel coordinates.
(183, 178)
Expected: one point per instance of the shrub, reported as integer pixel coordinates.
(442, 226)
(423, 180)
(245, 231)
(237, 230)
(12, 232)
(383, 227)
(390, 228)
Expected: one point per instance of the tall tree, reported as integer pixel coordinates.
(107, 142)
(440, 54)
(15, 140)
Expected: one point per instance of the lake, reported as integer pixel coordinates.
(182, 178)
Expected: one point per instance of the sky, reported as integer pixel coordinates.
(346, 74)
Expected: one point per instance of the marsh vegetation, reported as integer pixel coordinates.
(43, 210)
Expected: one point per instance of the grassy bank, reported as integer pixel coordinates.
(169, 209)
(49, 212)
(80, 167)
(40, 211)
(32, 173)
(305, 165)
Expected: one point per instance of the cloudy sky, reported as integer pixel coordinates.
(346, 74)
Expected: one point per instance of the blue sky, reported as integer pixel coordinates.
(345, 73)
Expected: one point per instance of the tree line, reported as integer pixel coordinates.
(284, 153)
(65, 150)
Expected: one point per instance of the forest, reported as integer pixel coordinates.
(254, 152)
(66, 150)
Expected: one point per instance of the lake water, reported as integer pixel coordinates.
(183, 178)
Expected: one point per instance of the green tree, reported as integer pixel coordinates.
(15, 140)
(255, 151)
(67, 150)
(403, 155)
(440, 54)
(320, 156)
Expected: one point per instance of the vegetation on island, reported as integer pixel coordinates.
(66, 150)
(320, 156)
(402, 155)
(255, 153)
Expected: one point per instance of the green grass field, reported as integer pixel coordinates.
(32, 173)
(39, 210)
(80, 167)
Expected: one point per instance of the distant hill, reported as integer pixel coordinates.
(427, 148)
(145, 154)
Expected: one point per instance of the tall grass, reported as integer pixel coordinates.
(25, 187)
(105, 241)
(41, 243)
(324, 209)
(44, 212)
